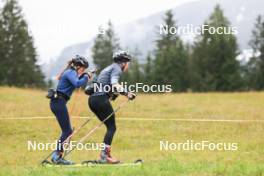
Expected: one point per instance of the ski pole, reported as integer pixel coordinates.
(93, 130)
(74, 102)
(67, 140)
(73, 133)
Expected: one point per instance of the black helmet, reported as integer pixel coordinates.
(122, 56)
(80, 61)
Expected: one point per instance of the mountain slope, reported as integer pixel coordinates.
(143, 32)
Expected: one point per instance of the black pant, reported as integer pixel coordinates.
(59, 109)
(102, 108)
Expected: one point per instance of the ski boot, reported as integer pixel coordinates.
(106, 158)
(57, 159)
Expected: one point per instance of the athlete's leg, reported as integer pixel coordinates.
(101, 106)
(59, 108)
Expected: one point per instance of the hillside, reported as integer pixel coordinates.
(143, 32)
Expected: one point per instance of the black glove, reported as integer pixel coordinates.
(113, 96)
(83, 74)
(131, 96)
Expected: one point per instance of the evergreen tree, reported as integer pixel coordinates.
(134, 74)
(104, 46)
(18, 54)
(214, 64)
(148, 70)
(255, 65)
(170, 63)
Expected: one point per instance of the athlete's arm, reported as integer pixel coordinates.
(74, 79)
(115, 75)
(119, 88)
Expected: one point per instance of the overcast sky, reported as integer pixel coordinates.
(56, 24)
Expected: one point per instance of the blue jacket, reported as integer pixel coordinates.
(69, 81)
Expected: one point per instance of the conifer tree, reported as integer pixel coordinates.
(104, 47)
(214, 64)
(18, 55)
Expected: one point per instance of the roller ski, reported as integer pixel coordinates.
(57, 159)
(107, 159)
(137, 162)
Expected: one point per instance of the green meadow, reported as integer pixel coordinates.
(141, 125)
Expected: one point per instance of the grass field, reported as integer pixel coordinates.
(172, 117)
